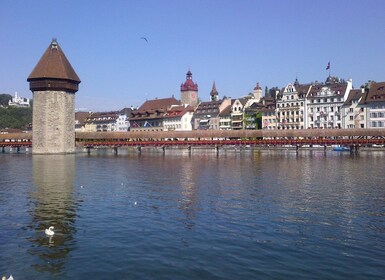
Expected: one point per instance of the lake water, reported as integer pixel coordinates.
(232, 215)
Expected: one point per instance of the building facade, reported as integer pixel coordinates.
(374, 102)
(354, 114)
(150, 116)
(291, 112)
(324, 102)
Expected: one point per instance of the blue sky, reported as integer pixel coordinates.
(234, 43)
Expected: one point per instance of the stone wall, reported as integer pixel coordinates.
(53, 122)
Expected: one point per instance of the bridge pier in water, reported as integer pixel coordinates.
(354, 149)
(3, 150)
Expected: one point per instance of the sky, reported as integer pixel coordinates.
(234, 43)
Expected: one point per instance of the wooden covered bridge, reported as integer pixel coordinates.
(353, 138)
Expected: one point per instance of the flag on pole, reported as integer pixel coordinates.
(328, 66)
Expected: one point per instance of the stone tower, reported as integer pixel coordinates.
(53, 83)
(189, 91)
(257, 92)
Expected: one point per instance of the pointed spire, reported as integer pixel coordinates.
(214, 93)
(257, 87)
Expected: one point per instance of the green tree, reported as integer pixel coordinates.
(4, 99)
(14, 117)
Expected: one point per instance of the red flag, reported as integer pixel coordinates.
(328, 66)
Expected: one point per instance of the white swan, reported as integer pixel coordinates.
(49, 231)
(5, 278)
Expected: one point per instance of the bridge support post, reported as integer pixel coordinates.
(296, 148)
(88, 150)
(325, 147)
(18, 149)
(189, 149)
(3, 150)
(139, 149)
(354, 149)
(217, 148)
(116, 151)
(164, 149)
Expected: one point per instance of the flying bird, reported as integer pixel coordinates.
(144, 38)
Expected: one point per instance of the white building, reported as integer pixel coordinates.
(374, 102)
(122, 123)
(324, 102)
(291, 112)
(353, 115)
(19, 101)
(178, 118)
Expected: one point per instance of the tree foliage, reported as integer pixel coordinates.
(14, 117)
(4, 99)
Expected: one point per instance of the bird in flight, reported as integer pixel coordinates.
(144, 38)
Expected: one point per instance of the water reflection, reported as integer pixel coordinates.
(54, 205)
(188, 199)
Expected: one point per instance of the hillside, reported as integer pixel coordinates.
(13, 117)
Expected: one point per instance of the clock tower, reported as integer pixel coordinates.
(189, 91)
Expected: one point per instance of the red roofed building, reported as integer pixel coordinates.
(150, 116)
(178, 117)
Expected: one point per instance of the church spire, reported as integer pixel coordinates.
(214, 93)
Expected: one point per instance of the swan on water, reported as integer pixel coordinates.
(49, 231)
(5, 278)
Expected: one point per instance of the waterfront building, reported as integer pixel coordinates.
(53, 83)
(206, 115)
(225, 118)
(237, 111)
(353, 114)
(18, 101)
(178, 118)
(150, 115)
(101, 122)
(324, 102)
(80, 120)
(291, 113)
(252, 118)
(269, 120)
(374, 102)
(189, 91)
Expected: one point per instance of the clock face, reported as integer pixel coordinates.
(193, 95)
